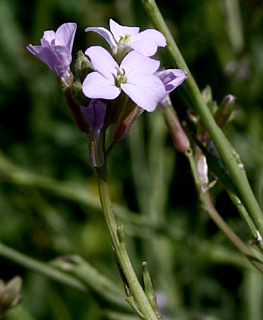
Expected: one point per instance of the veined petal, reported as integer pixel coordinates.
(119, 31)
(171, 78)
(46, 55)
(62, 55)
(65, 35)
(103, 62)
(133, 62)
(106, 34)
(96, 86)
(145, 90)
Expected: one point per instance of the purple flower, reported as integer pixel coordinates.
(95, 113)
(55, 49)
(134, 76)
(171, 78)
(145, 42)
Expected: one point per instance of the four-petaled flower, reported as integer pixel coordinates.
(55, 49)
(135, 76)
(145, 42)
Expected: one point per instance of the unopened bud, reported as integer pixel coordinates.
(225, 110)
(222, 113)
(192, 116)
(82, 66)
(77, 94)
(179, 137)
(207, 94)
(10, 294)
(125, 120)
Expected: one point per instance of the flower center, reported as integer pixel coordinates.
(120, 78)
(125, 39)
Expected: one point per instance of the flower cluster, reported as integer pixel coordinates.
(109, 86)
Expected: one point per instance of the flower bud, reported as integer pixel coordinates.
(77, 94)
(193, 117)
(179, 137)
(222, 113)
(207, 94)
(82, 66)
(225, 110)
(126, 119)
(10, 294)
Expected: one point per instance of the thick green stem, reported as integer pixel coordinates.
(120, 250)
(229, 156)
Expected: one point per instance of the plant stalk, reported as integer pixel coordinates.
(117, 239)
(226, 151)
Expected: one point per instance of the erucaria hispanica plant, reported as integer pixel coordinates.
(108, 91)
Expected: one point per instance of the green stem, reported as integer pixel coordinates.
(215, 216)
(119, 248)
(40, 267)
(223, 146)
(137, 225)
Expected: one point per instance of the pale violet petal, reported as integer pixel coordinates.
(48, 36)
(146, 48)
(145, 90)
(65, 35)
(46, 55)
(133, 62)
(95, 86)
(106, 34)
(151, 34)
(171, 78)
(119, 31)
(103, 62)
(35, 50)
(64, 56)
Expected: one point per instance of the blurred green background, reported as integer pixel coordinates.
(195, 270)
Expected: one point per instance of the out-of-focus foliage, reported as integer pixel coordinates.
(198, 275)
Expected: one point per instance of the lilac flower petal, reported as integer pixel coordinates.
(65, 35)
(102, 61)
(48, 37)
(96, 86)
(62, 55)
(46, 55)
(134, 62)
(146, 47)
(119, 31)
(151, 34)
(106, 34)
(145, 90)
(147, 42)
(171, 78)
(95, 113)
